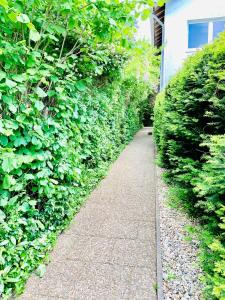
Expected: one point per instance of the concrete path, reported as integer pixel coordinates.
(109, 252)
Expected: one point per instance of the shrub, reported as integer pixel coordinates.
(210, 189)
(158, 122)
(68, 107)
(189, 133)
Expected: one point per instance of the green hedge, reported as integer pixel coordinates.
(189, 130)
(210, 189)
(48, 166)
(69, 103)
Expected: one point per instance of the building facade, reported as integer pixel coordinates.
(186, 25)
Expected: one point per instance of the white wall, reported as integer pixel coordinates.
(177, 15)
(144, 30)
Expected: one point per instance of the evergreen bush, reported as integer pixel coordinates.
(189, 130)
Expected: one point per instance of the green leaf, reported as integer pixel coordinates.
(2, 216)
(3, 140)
(2, 75)
(8, 181)
(13, 240)
(22, 18)
(39, 105)
(19, 77)
(146, 14)
(4, 3)
(12, 108)
(20, 140)
(25, 207)
(28, 176)
(13, 16)
(35, 35)
(38, 129)
(1, 287)
(31, 26)
(3, 201)
(40, 271)
(161, 2)
(151, 3)
(8, 164)
(58, 29)
(41, 93)
(81, 85)
(112, 22)
(10, 83)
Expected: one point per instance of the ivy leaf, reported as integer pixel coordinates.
(112, 22)
(8, 164)
(4, 3)
(8, 181)
(3, 140)
(2, 75)
(58, 29)
(2, 216)
(22, 18)
(40, 271)
(80, 85)
(19, 78)
(13, 240)
(1, 287)
(10, 83)
(161, 2)
(59, 89)
(35, 35)
(39, 105)
(31, 26)
(38, 129)
(146, 14)
(12, 108)
(151, 3)
(13, 16)
(3, 201)
(20, 141)
(41, 93)
(28, 176)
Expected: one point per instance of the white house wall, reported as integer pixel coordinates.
(144, 30)
(177, 15)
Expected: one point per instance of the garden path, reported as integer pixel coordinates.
(109, 251)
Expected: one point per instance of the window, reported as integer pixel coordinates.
(201, 33)
(198, 35)
(218, 27)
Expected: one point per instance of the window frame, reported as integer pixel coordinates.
(210, 22)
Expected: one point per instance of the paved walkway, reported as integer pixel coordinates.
(109, 252)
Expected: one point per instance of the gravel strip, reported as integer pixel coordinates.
(179, 256)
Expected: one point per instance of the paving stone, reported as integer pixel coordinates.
(135, 293)
(40, 297)
(143, 278)
(59, 280)
(102, 281)
(83, 248)
(115, 228)
(134, 253)
(145, 229)
(86, 224)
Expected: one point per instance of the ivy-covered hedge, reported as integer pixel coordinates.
(70, 101)
(189, 130)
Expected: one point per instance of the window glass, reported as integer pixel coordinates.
(218, 26)
(197, 35)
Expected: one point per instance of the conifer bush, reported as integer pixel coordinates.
(189, 131)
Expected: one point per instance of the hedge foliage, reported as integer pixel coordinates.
(70, 101)
(189, 131)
